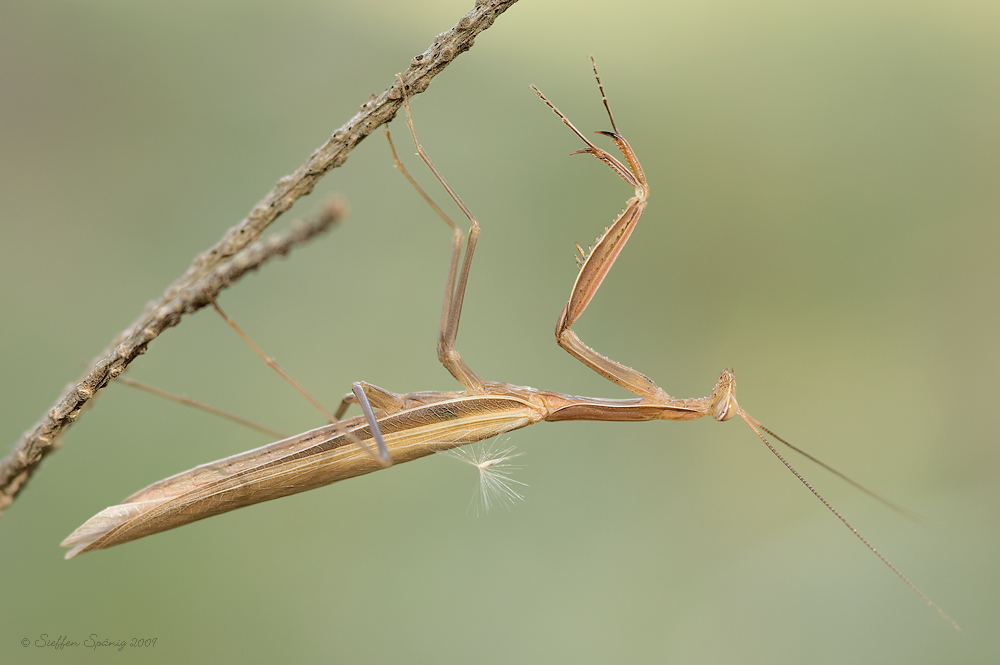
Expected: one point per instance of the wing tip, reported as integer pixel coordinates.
(102, 524)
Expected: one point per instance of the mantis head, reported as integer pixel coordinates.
(724, 404)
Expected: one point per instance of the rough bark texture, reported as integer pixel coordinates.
(214, 269)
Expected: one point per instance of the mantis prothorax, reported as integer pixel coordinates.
(398, 428)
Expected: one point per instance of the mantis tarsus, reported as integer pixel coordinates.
(397, 428)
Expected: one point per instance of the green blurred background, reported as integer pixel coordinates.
(823, 219)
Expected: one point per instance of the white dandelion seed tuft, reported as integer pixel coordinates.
(493, 461)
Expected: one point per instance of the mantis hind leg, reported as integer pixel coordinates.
(382, 456)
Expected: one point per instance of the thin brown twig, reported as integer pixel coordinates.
(17, 467)
(216, 266)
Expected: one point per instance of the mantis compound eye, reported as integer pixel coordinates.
(724, 404)
(725, 409)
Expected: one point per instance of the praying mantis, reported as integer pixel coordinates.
(396, 428)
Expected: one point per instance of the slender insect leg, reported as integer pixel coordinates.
(381, 399)
(597, 262)
(272, 363)
(187, 401)
(383, 460)
(454, 295)
(383, 451)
